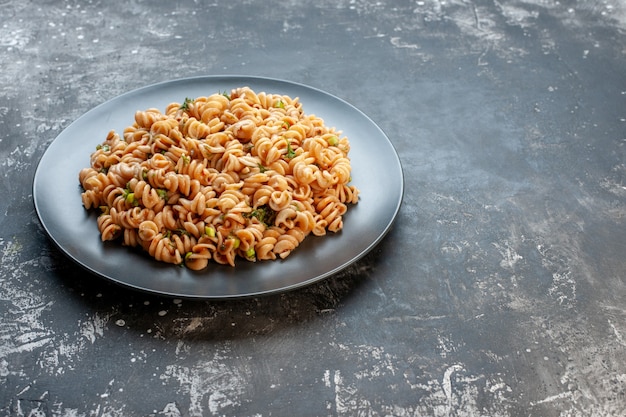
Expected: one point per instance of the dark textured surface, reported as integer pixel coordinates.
(500, 291)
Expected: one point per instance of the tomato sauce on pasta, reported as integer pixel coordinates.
(221, 177)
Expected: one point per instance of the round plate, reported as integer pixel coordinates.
(376, 171)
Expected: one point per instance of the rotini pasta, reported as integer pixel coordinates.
(221, 177)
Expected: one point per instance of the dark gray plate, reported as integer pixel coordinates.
(376, 171)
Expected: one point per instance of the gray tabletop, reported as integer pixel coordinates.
(499, 291)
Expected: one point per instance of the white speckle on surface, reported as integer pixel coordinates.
(509, 256)
(498, 386)
(171, 410)
(552, 398)
(94, 327)
(617, 333)
(398, 43)
(563, 287)
(209, 384)
(446, 385)
(327, 378)
(445, 346)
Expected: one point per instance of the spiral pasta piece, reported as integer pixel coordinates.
(222, 177)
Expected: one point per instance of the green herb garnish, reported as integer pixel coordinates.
(264, 214)
(129, 196)
(290, 152)
(186, 103)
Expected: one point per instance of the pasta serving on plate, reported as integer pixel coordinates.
(221, 177)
